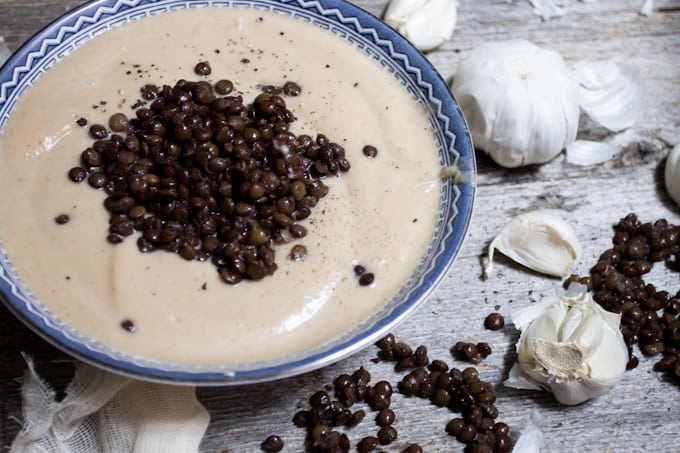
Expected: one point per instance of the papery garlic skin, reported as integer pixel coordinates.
(4, 51)
(609, 94)
(520, 102)
(570, 346)
(540, 240)
(672, 174)
(587, 152)
(425, 23)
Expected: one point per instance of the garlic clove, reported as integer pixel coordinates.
(605, 360)
(586, 152)
(425, 23)
(672, 174)
(539, 240)
(519, 100)
(571, 393)
(518, 379)
(609, 95)
(523, 317)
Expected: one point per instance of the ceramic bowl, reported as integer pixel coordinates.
(370, 36)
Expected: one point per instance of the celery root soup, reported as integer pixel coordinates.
(217, 186)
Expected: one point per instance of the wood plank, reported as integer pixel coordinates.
(640, 414)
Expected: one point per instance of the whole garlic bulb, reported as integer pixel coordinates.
(425, 23)
(570, 346)
(520, 101)
(672, 175)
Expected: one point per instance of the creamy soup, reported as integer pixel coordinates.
(381, 214)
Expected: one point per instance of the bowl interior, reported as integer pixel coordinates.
(368, 35)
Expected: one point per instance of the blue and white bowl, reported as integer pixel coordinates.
(370, 36)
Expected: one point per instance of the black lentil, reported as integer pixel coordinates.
(298, 252)
(494, 321)
(77, 174)
(224, 87)
(203, 68)
(97, 131)
(118, 122)
(471, 352)
(200, 173)
(291, 89)
(368, 443)
(128, 325)
(385, 417)
(272, 444)
(649, 316)
(61, 219)
(463, 392)
(366, 279)
(370, 151)
(387, 435)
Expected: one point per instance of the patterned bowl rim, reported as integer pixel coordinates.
(369, 35)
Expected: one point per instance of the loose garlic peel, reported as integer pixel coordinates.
(672, 174)
(540, 240)
(570, 346)
(587, 152)
(519, 100)
(609, 94)
(425, 23)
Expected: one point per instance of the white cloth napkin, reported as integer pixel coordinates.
(104, 412)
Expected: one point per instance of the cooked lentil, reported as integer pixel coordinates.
(201, 174)
(203, 68)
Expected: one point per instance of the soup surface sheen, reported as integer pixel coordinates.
(381, 214)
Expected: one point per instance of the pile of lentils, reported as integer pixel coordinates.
(461, 391)
(200, 173)
(650, 317)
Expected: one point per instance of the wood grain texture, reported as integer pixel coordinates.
(641, 414)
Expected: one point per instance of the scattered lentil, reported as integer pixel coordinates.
(61, 219)
(203, 68)
(128, 326)
(370, 151)
(650, 317)
(460, 391)
(298, 252)
(494, 321)
(292, 89)
(387, 435)
(272, 444)
(471, 352)
(366, 279)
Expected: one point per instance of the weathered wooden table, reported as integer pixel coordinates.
(641, 414)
